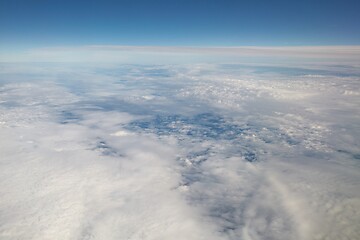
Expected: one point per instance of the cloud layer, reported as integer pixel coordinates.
(207, 151)
(186, 55)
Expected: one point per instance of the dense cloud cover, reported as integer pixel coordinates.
(207, 151)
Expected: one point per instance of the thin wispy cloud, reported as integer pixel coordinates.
(160, 54)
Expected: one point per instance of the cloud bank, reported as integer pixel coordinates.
(207, 151)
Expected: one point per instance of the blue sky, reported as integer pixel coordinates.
(38, 23)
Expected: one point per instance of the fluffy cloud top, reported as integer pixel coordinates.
(208, 151)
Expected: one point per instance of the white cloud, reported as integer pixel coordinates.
(179, 152)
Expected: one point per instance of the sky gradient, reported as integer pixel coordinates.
(33, 24)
